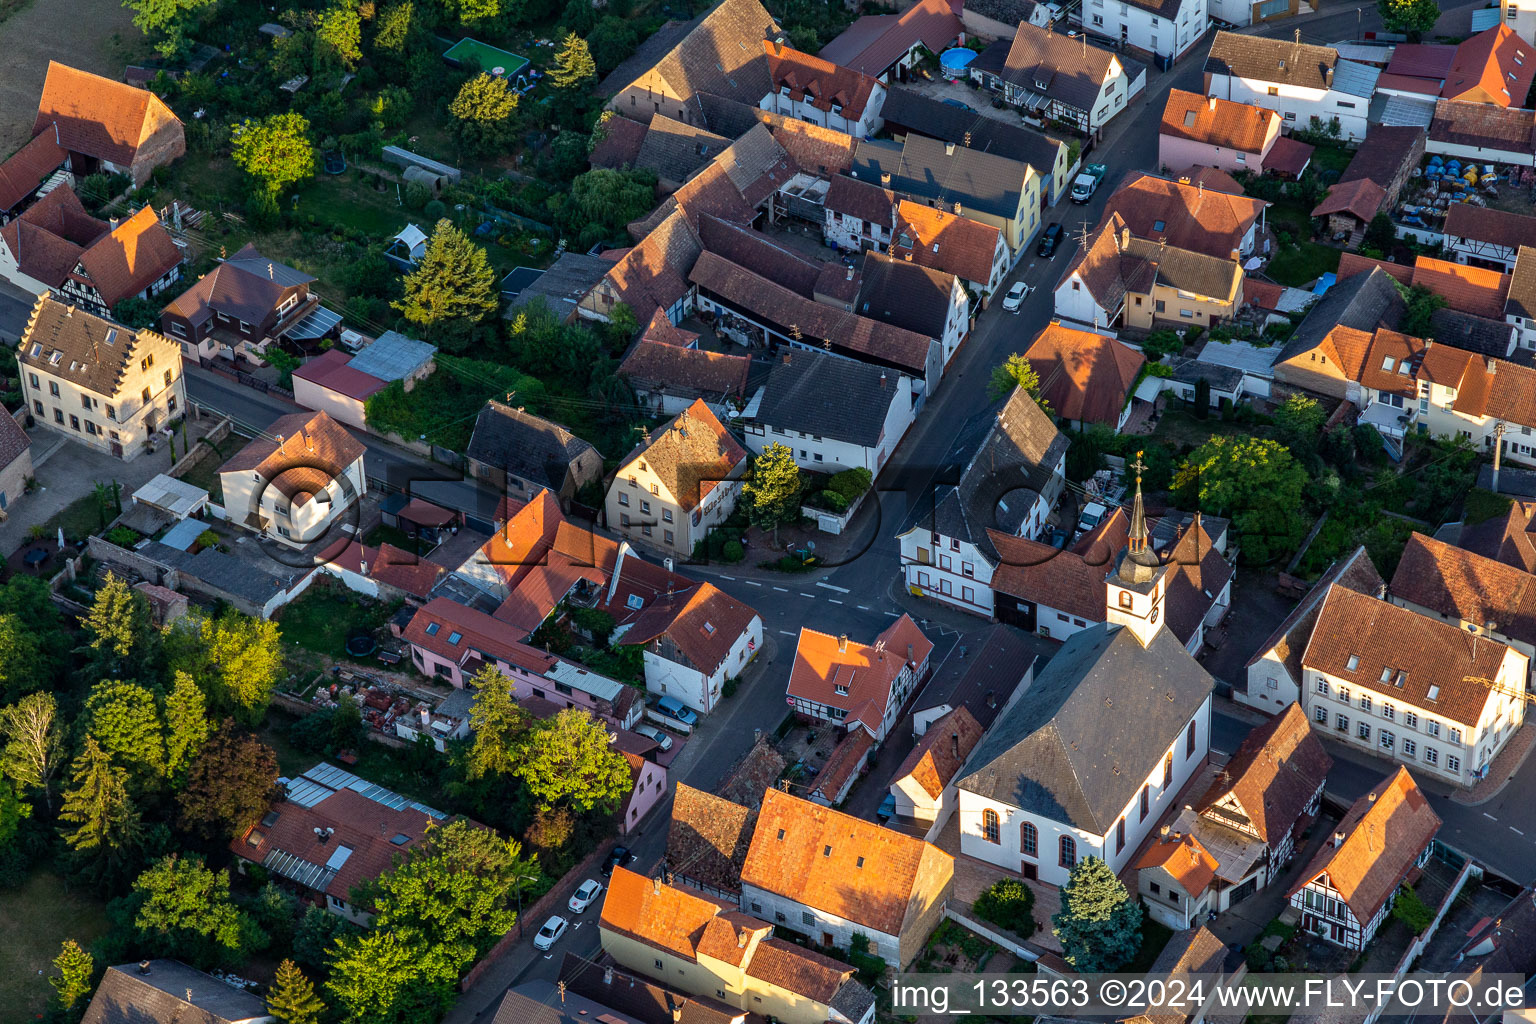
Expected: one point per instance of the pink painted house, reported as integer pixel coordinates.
(453, 642)
(1201, 131)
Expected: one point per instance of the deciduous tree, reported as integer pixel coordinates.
(772, 494)
(394, 26)
(1014, 372)
(573, 66)
(378, 978)
(484, 113)
(453, 286)
(569, 758)
(1099, 926)
(165, 21)
(1411, 17)
(275, 150)
(122, 641)
(497, 725)
(124, 719)
(185, 911)
(33, 744)
(236, 657)
(229, 784)
(1256, 483)
(13, 811)
(23, 666)
(340, 28)
(75, 967)
(292, 998)
(1010, 903)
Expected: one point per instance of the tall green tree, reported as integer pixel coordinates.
(125, 720)
(452, 288)
(76, 968)
(772, 493)
(236, 657)
(122, 642)
(394, 26)
(292, 998)
(229, 784)
(484, 114)
(1014, 372)
(573, 65)
(97, 804)
(339, 28)
(1255, 483)
(165, 21)
(186, 911)
(1099, 925)
(23, 666)
(497, 726)
(569, 758)
(186, 725)
(1411, 17)
(378, 978)
(275, 150)
(452, 898)
(13, 811)
(34, 744)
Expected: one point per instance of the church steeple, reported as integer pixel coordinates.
(1135, 589)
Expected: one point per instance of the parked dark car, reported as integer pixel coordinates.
(618, 857)
(1049, 241)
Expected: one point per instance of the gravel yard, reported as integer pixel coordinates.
(87, 34)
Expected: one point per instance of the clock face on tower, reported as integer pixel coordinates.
(1153, 617)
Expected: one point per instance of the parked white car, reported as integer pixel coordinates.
(1015, 297)
(585, 896)
(650, 732)
(551, 932)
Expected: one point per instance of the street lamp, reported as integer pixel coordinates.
(520, 879)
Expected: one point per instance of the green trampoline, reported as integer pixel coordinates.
(489, 58)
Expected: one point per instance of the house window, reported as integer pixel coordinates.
(53, 388)
(1168, 770)
(1120, 836)
(1386, 739)
(1125, 599)
(1029, 840)
(655, 489)
(1388, 712)
(167, 378)
(1068, 852)
(1409, 746)
(668, 535)
(666, 515)
(58, 415)
(991, 827)
(1363, 731)
(1145, 801)
(85, 401)
(806, 917)
(1322, 687)
(645, 508)
(1365, 702)
(967, 569)
(1274, 90)
(283, 531)
(659, 965)
(38, 406)
(1411, 720)
(144, 396)
(623, 518)
(35, 385)
(1455, 735)
(1452, 763)
(646, 529)
(74, 422)
(1189, 740)
(624, 499)
(1320, 714)
(1431, 755)
(112, 413)
(1432, 727)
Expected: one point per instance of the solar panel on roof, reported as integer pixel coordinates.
(338, 857)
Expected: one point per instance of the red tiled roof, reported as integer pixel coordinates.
(25, 169)
(299, 455)
(715, 374)
(930, 22)
(1201, 220)
(387, 564)
(691, 455)
(664, 916)
(1482, 224)
(1262, 294)
(1070, 581)
(1287, 156)
(1182, 856)
(48, 238)
(1084, 376)
(944, 241)
(856, 677)
(1351, 263)
(1384, 833)
(1495, 66)
(1218, 122)
(1467, 587)
(1475, 290)
(137, 253)
(329, 370)
(941, 752)
(96, 116)
(1361, 198)
(818, 82)
(703, 623)
(661, 329)
(858, 870)
(1272, 777)
(842, 765)
(477, 631)
(620, 144)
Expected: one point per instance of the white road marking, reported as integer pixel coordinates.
(782, 590)
(811, 596)
(863, 607)
(894, 615)
(840, 590)
(834, 600)
(725, 577)
(752, 583)
(1516, 831)
(1489, 816)
(786, 632)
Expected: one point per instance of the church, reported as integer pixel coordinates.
(1087, 759)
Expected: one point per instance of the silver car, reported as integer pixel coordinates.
(550, 933)
(1015, 297)
(650, 732)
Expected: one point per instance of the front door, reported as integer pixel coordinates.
(117, 449)
(1030, 871)
(826, 938)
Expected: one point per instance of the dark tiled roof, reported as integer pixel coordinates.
(1013, 462)
(169, 992)
(620, 144)
(529, 446)
(1210, 276)
(951, 173)
(675, 150)
(1391, 147)
(1522, 285)
(650, 51)
(873, 43)
(13, 441)
(1070, 71)
(1499, 227)
(223, 572)
(564, 282)
(687, 371)
(25, 169)
(246, 286)
(755, 251)
(87, 350)
(829, 396)
(866, 201)
(1009, 12)
(720, 53)
(1473, 333)
(906, 295)
(1080, 747)
(927, 116)
(642, 999)
(725, 116)
(1484, 125)
(709, 837)
(982, 681)
(1362, 302)
(1273, 776)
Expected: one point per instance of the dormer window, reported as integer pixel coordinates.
(840, 690)
(1389, 364)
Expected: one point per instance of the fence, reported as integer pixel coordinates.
(534, 912)
(1420, 941)
(220, 431)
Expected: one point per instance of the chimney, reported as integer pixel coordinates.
(656, 886)
(991, 698)
(882, 380)
(959, 210)
(1338, 840)
(607, 975)
(1213, 104)
(1493, 365)
(778, 47)
(842, 642)
(906, 256)
(786, 357)
(143, 966)
(885, 179)
(1381, 592)
(1125, 238)
(741, 939)
(949, 149)
(850, 274)
(909, 654)
(362, 567)
(954, 745)
(1163, 831)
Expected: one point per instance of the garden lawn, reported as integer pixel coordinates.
(34, 920)
(324, 617)
(1154, 937)
(1297, 266)
(1331, 158)
(80, 518)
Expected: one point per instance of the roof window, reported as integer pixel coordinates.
(55, 357)
(455, 637)
(1400, 678)
(709, 628)
(781, 835)
(634, 602)
(1354, 662)
(432, 628)
(1159, 225)
(1433, 694)
(1386, 674)
(1189, 118)
(1389, 364)
(826, 851)
(860, 863)
(400, 839)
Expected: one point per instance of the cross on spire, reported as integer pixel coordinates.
(1138, 466)
(1137, 542)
